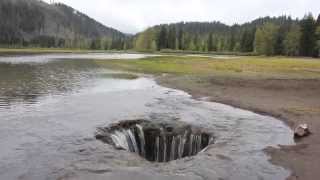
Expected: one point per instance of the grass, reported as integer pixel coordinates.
(280, 67)
(180, 64)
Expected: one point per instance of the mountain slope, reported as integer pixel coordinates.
(36, 22)
(210, 36)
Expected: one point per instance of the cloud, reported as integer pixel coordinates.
(132, 16)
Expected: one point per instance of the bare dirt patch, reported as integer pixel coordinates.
(293, 100)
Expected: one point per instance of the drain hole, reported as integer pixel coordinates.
(156, 141)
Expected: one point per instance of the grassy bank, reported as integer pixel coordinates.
(254, 67)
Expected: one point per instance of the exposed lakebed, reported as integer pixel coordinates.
(52, 105)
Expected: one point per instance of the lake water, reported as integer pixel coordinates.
(51, 105)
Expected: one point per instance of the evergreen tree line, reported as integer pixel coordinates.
(34, 23)
(264, 36)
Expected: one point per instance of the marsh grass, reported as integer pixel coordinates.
(281, 67)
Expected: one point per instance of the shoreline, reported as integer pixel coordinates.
(39, 51)
(296, 158)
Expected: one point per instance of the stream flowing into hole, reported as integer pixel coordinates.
(157, 141)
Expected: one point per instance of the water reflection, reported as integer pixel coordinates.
(25, 83)
(62, 56)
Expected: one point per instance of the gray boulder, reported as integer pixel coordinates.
(302, 130)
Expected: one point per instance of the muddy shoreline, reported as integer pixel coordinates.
(292, 100)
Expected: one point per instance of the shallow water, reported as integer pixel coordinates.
(51, 105)
(44, 58)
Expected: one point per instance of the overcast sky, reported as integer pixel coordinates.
(131, 16)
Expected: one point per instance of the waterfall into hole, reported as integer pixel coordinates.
(156, 141)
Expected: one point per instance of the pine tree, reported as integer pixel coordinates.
(181, 39)
(176, 44)
(317, 49)
(292, 41)
(215, 44)
(232, 42)
(163, 38)
(172, 38)
(210, 42)
(247, 39)
(308, 38)
(196, 42)
(280, 37)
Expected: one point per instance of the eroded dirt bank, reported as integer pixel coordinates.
(292, 100)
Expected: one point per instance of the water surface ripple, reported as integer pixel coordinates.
(49, 112)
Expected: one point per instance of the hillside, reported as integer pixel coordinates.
(34, 23)
(267, 36)
(37, 23)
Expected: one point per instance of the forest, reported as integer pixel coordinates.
(264, 36)
(34, 23)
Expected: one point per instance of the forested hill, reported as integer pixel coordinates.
(34, 23)
(268, 36)
(37, 23)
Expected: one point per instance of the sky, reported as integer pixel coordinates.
(132, 16)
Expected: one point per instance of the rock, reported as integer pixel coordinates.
(301, 130)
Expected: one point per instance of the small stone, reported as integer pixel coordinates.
(301, 130)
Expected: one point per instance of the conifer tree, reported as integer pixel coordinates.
(308, 38)
(247, 39)
(292, 41)
(180, 39)
(210, 42)
(163, 38)
(172, 38)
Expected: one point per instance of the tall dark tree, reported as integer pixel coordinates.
(172, 38)
(292, 41)
(163, 38)
(232, 42)
(247, 39)
(196, 43)
(180, 39)
(308, 38)
(317, 49)
(279, 43)
(210, 42)
(318, 20)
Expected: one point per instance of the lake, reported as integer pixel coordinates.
(51, 106)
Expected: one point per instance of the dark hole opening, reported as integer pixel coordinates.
(156, 141)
